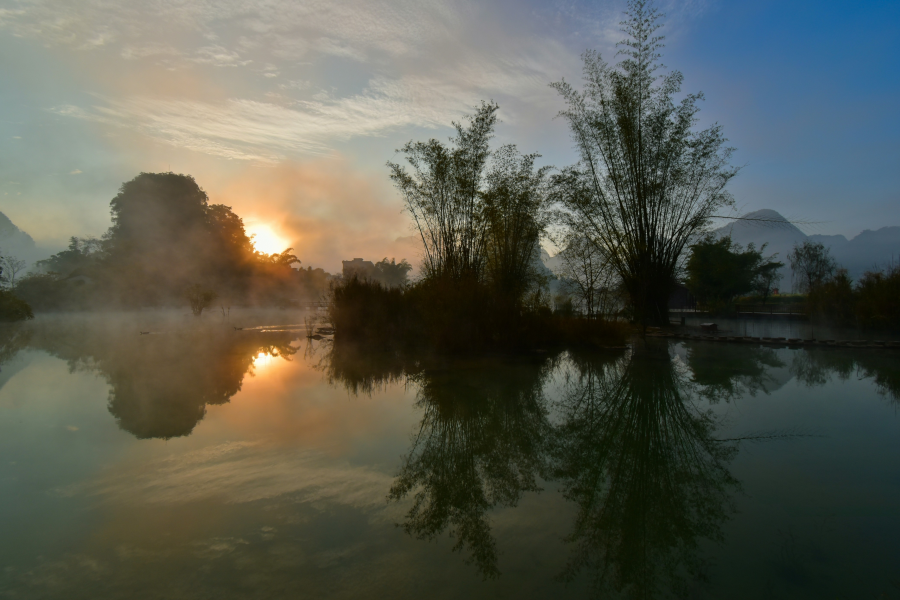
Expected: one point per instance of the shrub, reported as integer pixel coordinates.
(367, 310)
(443, 315)
(13, 308)
(833, 299)
(878, 299)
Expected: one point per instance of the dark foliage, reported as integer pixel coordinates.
(720, 270)
(166, 238)
(13, 308)
(437, 314)
(832, 299)
(873, 303)
(811, 265)
(878, 299)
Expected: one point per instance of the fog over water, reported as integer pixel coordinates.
(235, 458)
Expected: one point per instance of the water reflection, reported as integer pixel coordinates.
(742, 369)
(816, 366)
(160, 385)
(625, 437)
(480, 445)
(645, 471)
(14, 337)
(626, 445)
(362, 370)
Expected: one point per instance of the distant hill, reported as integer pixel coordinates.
(867, 251)
(15, 241)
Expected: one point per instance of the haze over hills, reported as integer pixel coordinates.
(870, 250)
(16, 242)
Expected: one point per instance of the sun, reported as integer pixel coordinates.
(266, 240)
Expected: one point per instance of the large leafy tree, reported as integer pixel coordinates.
(648, 181)
(719, 270)
(166, 240)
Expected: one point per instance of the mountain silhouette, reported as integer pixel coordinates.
(870, 250)
(14, 241)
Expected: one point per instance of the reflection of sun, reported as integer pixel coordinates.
(266, 240)
(262, 361)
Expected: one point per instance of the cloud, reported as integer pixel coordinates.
(424, 63)
(245, 129)
(349, 29)
(75, 172)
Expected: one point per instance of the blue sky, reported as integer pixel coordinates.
(288, 110)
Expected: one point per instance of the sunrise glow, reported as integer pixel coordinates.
(266, 240)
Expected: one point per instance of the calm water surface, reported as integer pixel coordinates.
(202, 461)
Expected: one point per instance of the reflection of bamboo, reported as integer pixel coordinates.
(479, 446)
(648, 479)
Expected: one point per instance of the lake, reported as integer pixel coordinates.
(235, 458)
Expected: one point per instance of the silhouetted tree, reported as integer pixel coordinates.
(586, 272)
(718, 270)
(811, 265)
(442, 194)
(12, 266)
(647, 181)
(166, 236)
(199, 298)
(392, 274)
(768, 274)
(514, 212)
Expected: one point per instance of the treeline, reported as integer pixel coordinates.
(719, 272)
(873, 302)
(480, 214)
(168, 246)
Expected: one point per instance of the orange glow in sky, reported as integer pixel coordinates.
(266, 240)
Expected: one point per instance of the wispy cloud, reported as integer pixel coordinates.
(244, 129)
(424, 63)
(347, 28)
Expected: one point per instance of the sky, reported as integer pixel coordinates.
(288, 110)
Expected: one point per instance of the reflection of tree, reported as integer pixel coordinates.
(640, 463)
(480, 445)
(726, 375)
(160, 385)
(13, 338)
(362, 369)
(815, 366)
